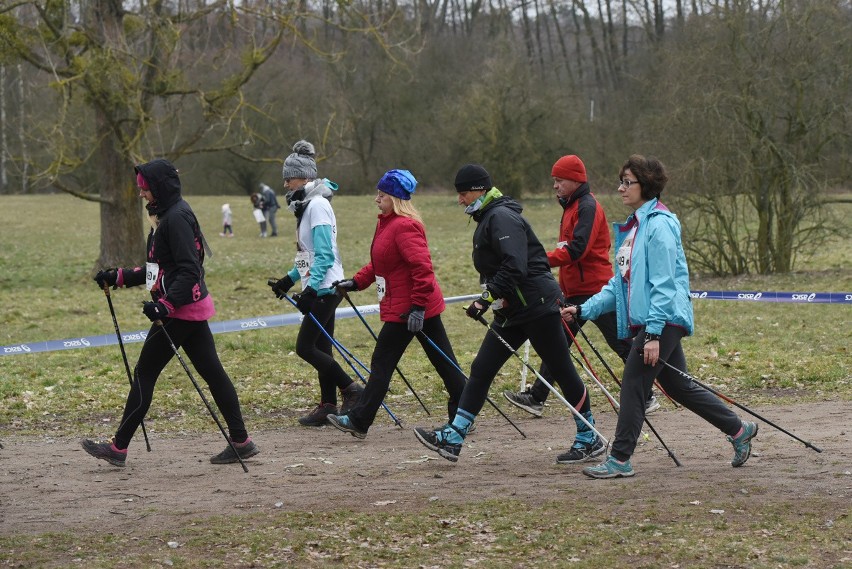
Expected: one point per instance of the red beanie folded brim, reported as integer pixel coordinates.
(569, 168)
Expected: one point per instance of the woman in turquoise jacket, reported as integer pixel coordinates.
(650, 295)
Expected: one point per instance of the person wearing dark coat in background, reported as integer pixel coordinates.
(410, 301)
(520, 287)
(269, 207)
(257, 205)
(174, 275)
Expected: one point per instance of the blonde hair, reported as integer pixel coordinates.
(405, 208)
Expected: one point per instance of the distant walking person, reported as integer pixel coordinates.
(317, 265)
(227, 220)
(517, 282)
(651, 272)
(410, 302)
(582, 255)
(270, 206)
(257, 211)
(174, 275)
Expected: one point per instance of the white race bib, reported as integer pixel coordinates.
(304, 259)
(152, 270)
(381, 287)
(622, 256)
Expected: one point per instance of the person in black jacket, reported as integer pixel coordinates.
(174, 275)
(518, 285)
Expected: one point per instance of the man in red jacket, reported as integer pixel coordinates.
(582, 255)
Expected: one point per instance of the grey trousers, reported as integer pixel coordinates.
(636, 384)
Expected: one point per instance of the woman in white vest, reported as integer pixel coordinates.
(317, 265)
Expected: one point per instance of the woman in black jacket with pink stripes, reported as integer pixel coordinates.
(174, 276)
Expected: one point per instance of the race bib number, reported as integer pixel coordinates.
(622, 256)
(152, 270)
(303, 265)
(381, 287)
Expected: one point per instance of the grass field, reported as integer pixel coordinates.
(762, 353)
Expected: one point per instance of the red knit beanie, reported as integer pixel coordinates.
(569, 168)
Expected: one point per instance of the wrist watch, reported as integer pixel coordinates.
(486, 296)
(651, 337)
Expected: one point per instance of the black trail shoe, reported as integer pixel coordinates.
(105, 450)
(317, 417)
(581, 452)
(524, 400)
(433, 440)
(351, 395)
(246, 449)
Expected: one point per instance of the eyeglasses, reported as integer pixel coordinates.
(627, 183)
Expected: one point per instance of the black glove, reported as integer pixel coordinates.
(109, 277)
(480, 306)
(305, 300)
(281, 286)
(155, 310)
(415, 319)
(345, 286)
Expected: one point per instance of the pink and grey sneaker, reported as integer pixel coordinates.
(105, 450)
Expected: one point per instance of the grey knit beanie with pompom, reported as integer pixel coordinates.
(301, 163)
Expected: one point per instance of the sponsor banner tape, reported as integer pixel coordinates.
(289, 319)
(763, 296)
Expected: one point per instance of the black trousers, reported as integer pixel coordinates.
(608, 326)
(315, 348)
(547, 338)
(197, 341)
(394, 338)
(636, 385)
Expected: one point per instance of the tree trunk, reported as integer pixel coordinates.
(122, 232)
(122, 238)
(3, 149)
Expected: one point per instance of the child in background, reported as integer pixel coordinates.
(227, 218)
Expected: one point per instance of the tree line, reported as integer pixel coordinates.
(746, 102)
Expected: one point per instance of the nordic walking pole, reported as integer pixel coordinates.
(123, 353)
(574, 412)
(201, 393)
(376, 338)
(352, 356)
(340, 350)
(597, 380)
(455, 365)
(743, 407)
(611, 373)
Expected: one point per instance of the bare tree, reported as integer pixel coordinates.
(766, 102)
(127, 76)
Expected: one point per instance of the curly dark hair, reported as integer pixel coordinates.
(649, 171)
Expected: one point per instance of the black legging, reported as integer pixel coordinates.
(636, 385)
(197, 341)
(547, 338)
(608, 326)
(393, 339)
(315, 348)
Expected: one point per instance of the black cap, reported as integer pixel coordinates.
(472, 177)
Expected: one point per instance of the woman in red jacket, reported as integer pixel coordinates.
(410, 301)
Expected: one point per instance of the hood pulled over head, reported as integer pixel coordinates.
(163, 182)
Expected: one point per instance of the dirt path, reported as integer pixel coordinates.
(52, 485)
